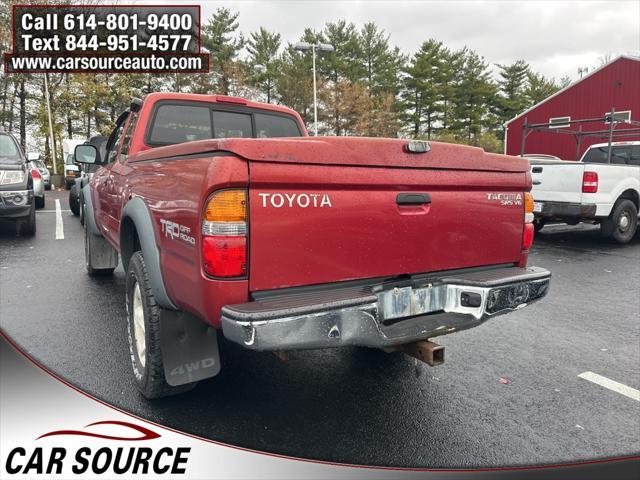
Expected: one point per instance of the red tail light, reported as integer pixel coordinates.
(225, 256)
(589, 182)
(35, 173)
(224, 234)
(527, 236)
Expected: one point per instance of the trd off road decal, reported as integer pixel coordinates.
(175, 231)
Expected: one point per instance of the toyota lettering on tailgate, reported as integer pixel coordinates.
(290, 200)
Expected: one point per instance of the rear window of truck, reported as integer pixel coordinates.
(275, 126)
(620, 155)
(179, 123)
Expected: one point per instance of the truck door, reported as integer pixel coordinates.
(103, 200)
(117, 175)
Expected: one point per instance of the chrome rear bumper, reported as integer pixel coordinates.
(384, 314)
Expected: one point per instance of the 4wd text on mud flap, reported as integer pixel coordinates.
(193, 366)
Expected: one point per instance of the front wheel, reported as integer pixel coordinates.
(622, 223)
(27, 226)
(143, 333)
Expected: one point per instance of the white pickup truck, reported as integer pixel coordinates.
(592, 190)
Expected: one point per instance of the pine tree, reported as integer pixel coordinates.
(294, 83)
(538, 88)
(474, 92)
(512, 95)
(224, 43)
(379, 62)
(426, 75)
(264, 61)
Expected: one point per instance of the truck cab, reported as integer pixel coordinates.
(602, 188)
(71, 168)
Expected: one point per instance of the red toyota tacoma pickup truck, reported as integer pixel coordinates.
(230, 220)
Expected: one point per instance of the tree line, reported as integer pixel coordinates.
(366, 86)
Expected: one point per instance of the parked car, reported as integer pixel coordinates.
(35, 160)
(592, 190)
(71, 168)
(76, 200)
(38, 185)
(297, 243)
(16, 187)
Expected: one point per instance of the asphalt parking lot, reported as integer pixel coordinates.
(510, 392)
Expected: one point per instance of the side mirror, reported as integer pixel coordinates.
(86, 154)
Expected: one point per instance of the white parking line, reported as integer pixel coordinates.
(611, 385)
(51, 211)
(59, 226)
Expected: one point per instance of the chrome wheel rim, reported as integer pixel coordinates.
(138, 325)
(624, 222)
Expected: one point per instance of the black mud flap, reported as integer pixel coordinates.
(189, 348)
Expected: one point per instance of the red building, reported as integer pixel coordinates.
(614, 85)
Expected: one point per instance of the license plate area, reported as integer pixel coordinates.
(401, 302)
(537, 207)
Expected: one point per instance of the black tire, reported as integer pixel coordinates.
(81, 208)
(47, 187)
(622, 223)
(27, 226)
(91, 270)
(538, 224)
(39, 202)
(74, 203)
(148, 368)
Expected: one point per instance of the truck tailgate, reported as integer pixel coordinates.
(558, 181)
(347, 208)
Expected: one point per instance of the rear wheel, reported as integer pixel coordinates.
(538, 224)
(143, 333)
(622, 223)
(81, 208)
(74, 204)
(39, 202)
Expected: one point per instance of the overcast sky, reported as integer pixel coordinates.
(555, 37)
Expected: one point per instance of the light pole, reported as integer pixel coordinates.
(52, 149)
(321, 47)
